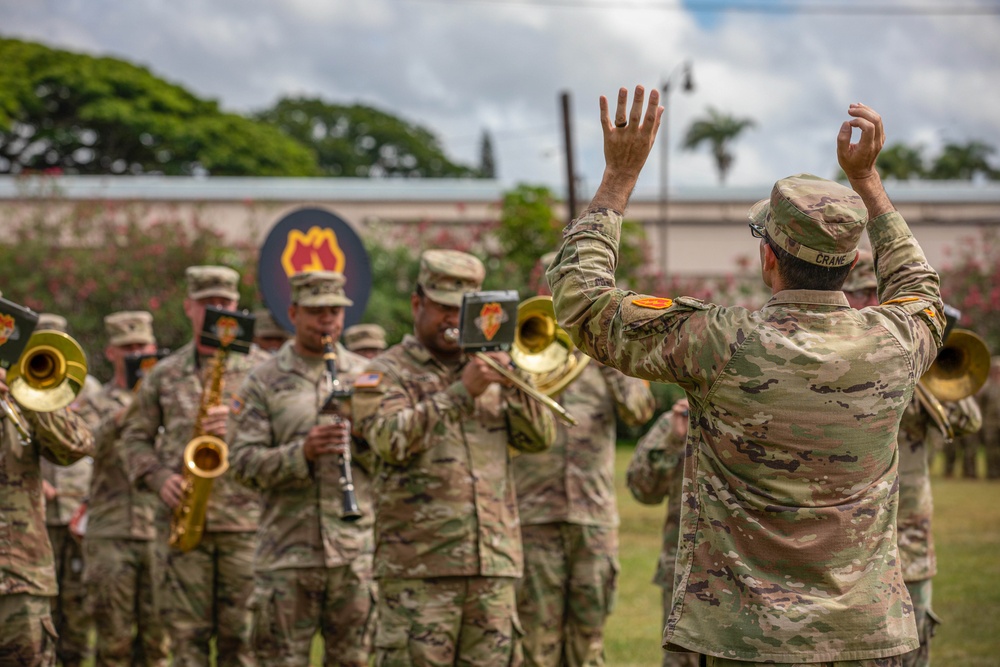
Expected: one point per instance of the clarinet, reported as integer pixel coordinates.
(349, 510)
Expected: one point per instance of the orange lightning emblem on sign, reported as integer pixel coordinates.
(316, 250)
(6, 328)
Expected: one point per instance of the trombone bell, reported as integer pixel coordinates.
(50, 373)
(961, 367)
(543, 349)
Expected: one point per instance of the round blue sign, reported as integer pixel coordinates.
(311, 239)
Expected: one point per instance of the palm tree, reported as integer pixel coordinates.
(718, 130)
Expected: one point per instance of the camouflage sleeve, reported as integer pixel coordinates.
(61, 435)
(140, 427)
(633, 399)
(657, 458)
(659, 339)
(965, 416)
(396, 425)
(908, 284)
(532, 426)
(257, 461)
(89, 412)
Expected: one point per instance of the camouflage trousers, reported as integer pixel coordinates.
(290, 606)
(567, 592)
(468, 621)
(675, 658)
(124, 581)
(206, 595)
(894, 661)
(69, 608)
(927, 622)
(28, 637)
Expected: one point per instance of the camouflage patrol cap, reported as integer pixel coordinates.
(51, 322)
(816, 220)
(364, 337)
(207, 281)
(264, 325)
(862, 276)
(130, 327)
(445, 275)
(319, 288)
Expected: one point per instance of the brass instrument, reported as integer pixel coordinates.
(48, 376)
(959, 371)
(205, 458)
(542, 349)
(349, 509)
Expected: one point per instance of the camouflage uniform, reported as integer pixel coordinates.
(989, 402)
(27, 568)
(569, 521)
(788, 549)
(365, 337)
(69, 607)
(124, 572)
(208, 587)
(447, 545)
(655, 472)
(312, 569)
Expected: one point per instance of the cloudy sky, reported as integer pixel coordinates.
(931, 67)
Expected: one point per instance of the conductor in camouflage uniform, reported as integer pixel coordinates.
(569, 519)
(124, 572)
(208, 587)
(918, 432)
(447, 544)
(27, 569)
(655, 472)
(312, 569)
(788, 551)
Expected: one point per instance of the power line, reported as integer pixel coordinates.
(729, 6)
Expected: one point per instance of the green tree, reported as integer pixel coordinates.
(487, 163)
(85, 115)
(362, 141)
(901, 162)
(528, 229)
(719, 130)
(964, 161)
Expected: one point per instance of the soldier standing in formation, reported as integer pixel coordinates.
(989, 402)
(569, 520)
(268, 334)
(65, 489)
(655, 472)
(447, 546)
(27, 569)
(368, 340)
(787, 525)
(312, 569)
(124, 572)
(208, 587)
(917, 433)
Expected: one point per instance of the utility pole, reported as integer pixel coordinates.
(570, 171)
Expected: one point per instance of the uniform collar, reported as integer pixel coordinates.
(290, 361)
(809, 297)
(421, 354)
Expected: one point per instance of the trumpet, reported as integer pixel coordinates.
(48, 376)
(453, 335)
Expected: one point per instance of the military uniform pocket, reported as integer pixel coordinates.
(392, 645)
(49, 640)
(611, 585)
(517, 641)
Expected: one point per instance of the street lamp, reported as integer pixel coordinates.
(687, 86)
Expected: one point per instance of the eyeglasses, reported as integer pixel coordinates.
(757, 231)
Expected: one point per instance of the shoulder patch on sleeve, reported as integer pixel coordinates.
(653, 303)
(236, 406)
(367, 380)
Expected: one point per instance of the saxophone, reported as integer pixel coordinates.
(205, 458)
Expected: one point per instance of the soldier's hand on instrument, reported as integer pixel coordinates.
(858, 159)
(172, 491)
(478, 375)
(214, 422)
(327, 439)
(3, 381)
(49, 491)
